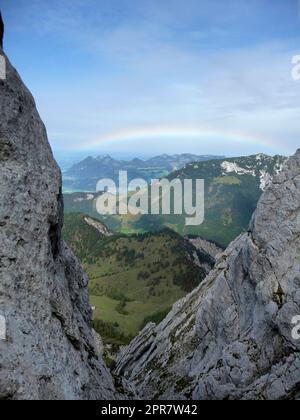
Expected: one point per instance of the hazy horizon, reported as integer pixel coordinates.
(67, 160)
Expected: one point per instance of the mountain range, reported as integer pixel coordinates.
(83, 176)
(233, 187)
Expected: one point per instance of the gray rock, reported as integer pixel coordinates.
(49, 351)
(99, 343)
(232, 337)
(100, 227)
(207, 247)
(205, 254)
(138, 347)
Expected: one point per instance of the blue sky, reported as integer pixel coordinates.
(142, 77)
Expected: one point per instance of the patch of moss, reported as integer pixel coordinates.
(278, 297)
(153, 365)
(183, 383)
(110, 363)
(173, 338)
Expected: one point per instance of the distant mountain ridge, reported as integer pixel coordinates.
(233, 187)
(260, 166)
(83, 176)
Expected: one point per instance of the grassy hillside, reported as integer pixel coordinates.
(133, 279)
(232, 190)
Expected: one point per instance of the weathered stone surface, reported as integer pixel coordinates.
(232, 337)
(49, 351)
(205, 254)
(100, 227)
(99, 343)
(138, 347)
(205, 246)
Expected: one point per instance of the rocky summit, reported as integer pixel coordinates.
(232, 337)
(47, 349)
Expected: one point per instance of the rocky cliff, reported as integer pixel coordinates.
(47, 350)
(232, 337)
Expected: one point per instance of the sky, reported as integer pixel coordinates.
(144, 77)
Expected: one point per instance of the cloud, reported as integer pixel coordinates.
(220, 65)
(243, 90)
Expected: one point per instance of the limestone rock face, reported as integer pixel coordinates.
(48, 351)
(100, 227)
(232, 337)
(205, 246)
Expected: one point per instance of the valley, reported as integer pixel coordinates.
(134, 279)
(139, 266)
(233, 187)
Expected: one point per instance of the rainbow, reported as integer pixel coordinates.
(166, 132)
